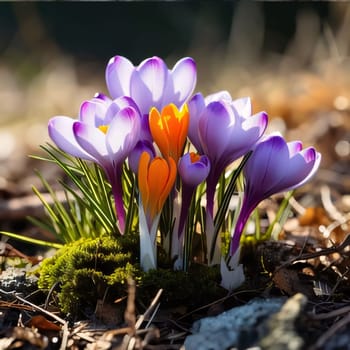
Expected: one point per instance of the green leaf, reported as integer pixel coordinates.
(224, 204)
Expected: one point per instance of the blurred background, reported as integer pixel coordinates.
(292, 58)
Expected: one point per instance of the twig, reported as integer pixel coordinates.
(333, 212)
(65, 336)
(323, 252)
(65, 330)
(36, 307)
(149, 310)
(330, 314)
(331, 332)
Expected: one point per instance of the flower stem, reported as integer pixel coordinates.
(117, 191)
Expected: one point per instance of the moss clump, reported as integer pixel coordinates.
(93, 269)
(86, 268)
(197, 287)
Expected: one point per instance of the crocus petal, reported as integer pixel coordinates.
(169, 129)
(158, 131)
(242, 106)
(61, 132)
(177, 128)
(92, 140)
(316, 164)
(258, 121)
(118, 74)
(118, 104)
(216, 118)
(158, 174)
(156, 178)
(196, 106)
(102, 96)
(148, 82)
(184, 77)
(264, 167)
(93, 112)
(172, 171)
(218, 96)
(123, 134)
(143, 178)
(193, 173)
(245, 135)
(294, 147)
(301, 167)
(135, 154)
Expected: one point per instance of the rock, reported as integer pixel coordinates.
(281, 331)
(260, 324)
(18, 280)
(240, 327)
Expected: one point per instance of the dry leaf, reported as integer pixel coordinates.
(42, 324)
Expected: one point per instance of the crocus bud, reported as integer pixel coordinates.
(193, 169)
(134, 156)
(274, 166)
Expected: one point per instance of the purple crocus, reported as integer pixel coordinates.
(135, 154)
(193, 170)
(224, 130)
(151, 83)
(274, 166)
(105, 133)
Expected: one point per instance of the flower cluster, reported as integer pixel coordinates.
(179, 146)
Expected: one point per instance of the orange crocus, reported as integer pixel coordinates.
(156, 178)
(169, 129)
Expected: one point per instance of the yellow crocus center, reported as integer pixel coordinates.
(104, 128)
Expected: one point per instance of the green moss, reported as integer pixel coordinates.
(86, 268)
(197, 287)
(89, 270)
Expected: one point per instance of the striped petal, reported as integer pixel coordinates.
(118, 75)
(148, 82)
(60, 130)
(92, 140)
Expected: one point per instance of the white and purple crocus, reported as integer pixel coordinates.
(105, 133)
(224, 130)
(274, 166)
(151, 84)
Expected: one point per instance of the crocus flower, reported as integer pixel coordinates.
(274, 166)
(224, 130)
(193, 169)
(151, 83)
(169, 129)
(135, 154)
(105, 133)
(156, 179)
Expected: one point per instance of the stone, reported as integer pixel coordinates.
(240, 327)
